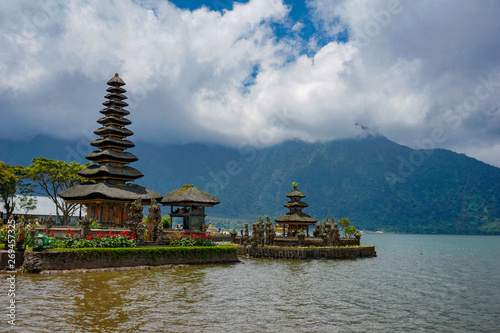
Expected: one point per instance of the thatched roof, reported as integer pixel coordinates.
(110, 171)
(115, 95)
(295, 193)
(295, 204)
(113, 130)
(111, 155)
(294, 218)
(116, 89)
(113, 102)
(112, 142)
(105, 190)
(116, 81)
(188, 195)
(114, 120)
(115, 111)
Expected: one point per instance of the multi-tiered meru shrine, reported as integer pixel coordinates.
(295, 220)
(108, 194)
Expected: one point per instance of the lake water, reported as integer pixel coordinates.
(423, 283)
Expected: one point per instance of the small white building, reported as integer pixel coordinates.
(45, 208)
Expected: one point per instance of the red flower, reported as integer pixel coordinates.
(215, 240)
(183, 234)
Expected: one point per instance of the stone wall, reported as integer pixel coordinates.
(34, 262)
(5, 262)
(279, 252)
(308, 241)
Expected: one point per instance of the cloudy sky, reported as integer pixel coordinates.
(423, 73)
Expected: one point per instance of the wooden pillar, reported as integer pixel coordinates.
(99, 208)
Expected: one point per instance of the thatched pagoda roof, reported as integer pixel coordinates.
(112, 111)
(116, 95)
(112, 142)
(188, 195)
(296, 204)
(116, 81)
(295, 193)
(109, 171)
(108, 191)
(113, 130)
(296, 218)
(113, 103)
(109, 155)
(114, 120)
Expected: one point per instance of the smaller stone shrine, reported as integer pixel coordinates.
(295, 220)
(188, 203)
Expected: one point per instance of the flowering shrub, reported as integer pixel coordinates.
(193, 240)
(122, 239)
(4, 233)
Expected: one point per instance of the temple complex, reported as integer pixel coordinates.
(109, 193)
(188, 203)
(295, 220)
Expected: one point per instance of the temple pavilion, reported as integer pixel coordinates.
(295, 220)
(109, 192)
(188, 203)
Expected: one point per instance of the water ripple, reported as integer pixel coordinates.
(417, 283)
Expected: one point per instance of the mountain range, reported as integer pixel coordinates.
(374, 182)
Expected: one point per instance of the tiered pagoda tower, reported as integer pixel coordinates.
(295, 220)
(111, 160)
(107, 196)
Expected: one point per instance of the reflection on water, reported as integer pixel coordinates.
(422, 283)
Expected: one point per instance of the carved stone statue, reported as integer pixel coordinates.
(270, 232)
(258, 231)
(154, 219)
(327, 233)
(246, 235)
(255, 235)
(233, 234)
(357, 235)
(159, 238)
(319, 229)
(335, 233)
(51, 222)
(301, 236)
(140, 228)
(135, 218)
(85, 223)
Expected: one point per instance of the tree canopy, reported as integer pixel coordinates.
(50, 177)
(8, 187)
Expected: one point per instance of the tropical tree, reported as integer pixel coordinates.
(50, 177)
(344, 223)
(8, 187)
(28, 202)
(350, 231)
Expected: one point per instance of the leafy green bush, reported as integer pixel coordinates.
(166, 222)
(193, 240)
(122, 239)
